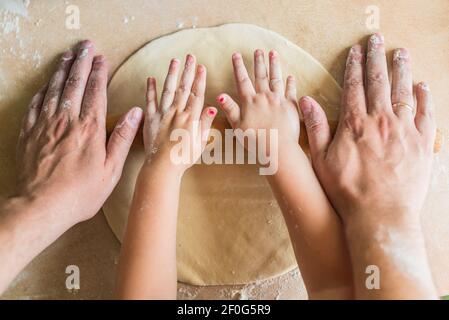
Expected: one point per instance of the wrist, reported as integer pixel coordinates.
(366, 226)
(290, 158)
(163, 166)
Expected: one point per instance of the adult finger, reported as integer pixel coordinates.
(95, 98)
(56, 85)
(402, 86)
(424, 118)
(353, 96)
(121, 140)
(378, 85)
(34, 110)
(75, 85)
(317, 127)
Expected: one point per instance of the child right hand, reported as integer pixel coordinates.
(180, 108)
(269, 105)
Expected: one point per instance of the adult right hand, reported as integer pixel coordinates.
(380, 158)
(376, 169)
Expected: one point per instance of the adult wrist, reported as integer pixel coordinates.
(367, 225)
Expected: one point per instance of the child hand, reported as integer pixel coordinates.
(267, 106)
(179, 115)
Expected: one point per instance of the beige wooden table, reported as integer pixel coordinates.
(30, 44)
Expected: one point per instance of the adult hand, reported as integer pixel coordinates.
(381, 155)
(65, 169)
(63, 159)
(376, 169)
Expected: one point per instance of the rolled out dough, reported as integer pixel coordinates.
(230, 228)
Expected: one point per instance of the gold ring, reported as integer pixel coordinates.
(403, 104)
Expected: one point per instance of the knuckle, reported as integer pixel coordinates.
(91, 125)
(94, 84)
(275, 82)
(354, 123)
(353, 82)
(74, 81)
(375, 77)
(167, 92)
(123, 134)
(403, 91)
(182, 88)
(243, 79)
(313, 124)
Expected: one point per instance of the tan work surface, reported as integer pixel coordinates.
(29, 48)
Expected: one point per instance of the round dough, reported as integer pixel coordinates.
(230, 228)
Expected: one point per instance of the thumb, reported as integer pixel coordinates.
(122, 138)
(206, 119)
(317, 127)
(230, 107)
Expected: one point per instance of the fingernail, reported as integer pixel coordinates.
(201, 68)
(400, 56)
(376, 39)
(236, 55)
(86, 44)
(211, 112)
(305, 106)
(135, 116)
(272, 54)
(68, 55)
(424, 86)
(221, 99)
(99, 58)
(189, 60)
(259, 53)
(83, 53)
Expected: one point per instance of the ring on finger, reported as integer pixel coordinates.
(398, 105)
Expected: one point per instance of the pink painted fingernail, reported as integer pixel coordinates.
(221, 99)
(272, 54)
(211, 112)
(236, 55)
